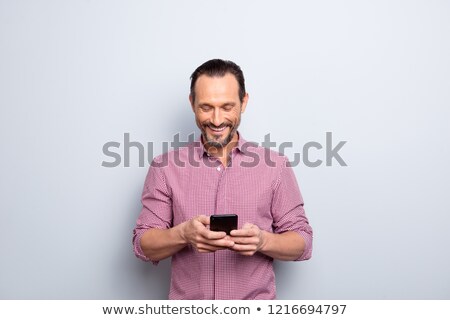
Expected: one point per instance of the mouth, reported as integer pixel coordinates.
(217, 130)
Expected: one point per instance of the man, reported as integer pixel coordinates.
(221, 174)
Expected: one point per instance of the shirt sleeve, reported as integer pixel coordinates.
(287, 209)
(156, 208)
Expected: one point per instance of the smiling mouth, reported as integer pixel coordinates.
(217, 130)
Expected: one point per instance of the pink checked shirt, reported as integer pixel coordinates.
(257, 185)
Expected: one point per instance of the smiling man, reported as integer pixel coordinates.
(218, 109)
(228, 176)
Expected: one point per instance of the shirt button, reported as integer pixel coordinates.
(218, 168)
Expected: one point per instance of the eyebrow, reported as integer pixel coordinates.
(223, 105)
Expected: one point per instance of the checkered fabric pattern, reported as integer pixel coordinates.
(257, 185)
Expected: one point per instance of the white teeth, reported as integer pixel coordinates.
(218, 130)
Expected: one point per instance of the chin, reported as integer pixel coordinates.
(218, 143)
(213, 141)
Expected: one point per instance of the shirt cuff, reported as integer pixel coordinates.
(307, 252)
(137, 247)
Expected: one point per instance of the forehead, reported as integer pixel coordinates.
(207, 87)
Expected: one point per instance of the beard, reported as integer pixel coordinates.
(215, 141)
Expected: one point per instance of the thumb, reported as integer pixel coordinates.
(203, 219)
(247, 226)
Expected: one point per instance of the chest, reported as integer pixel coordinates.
(242, 191)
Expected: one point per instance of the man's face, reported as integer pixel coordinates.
(217, 108)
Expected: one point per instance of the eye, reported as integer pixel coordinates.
(205, 108)
(227, 107)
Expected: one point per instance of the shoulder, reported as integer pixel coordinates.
(264, 156)
(179, 157)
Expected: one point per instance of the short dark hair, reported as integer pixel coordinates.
(218, 68)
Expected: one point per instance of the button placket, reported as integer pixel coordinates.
(219, 209)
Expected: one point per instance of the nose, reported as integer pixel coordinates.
(217, 117)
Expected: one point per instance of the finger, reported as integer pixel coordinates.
(247, 253)
(246, 226)
(244, 247)
(206, 247)
(212, 235)
(202, 247)
(250, 232)
(226, 243)
(203, 219)
(245, 240)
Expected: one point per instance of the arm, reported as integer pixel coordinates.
(154, 236)
(285, 246)
(292, 235)
(158, 244)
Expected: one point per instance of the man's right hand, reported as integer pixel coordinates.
(196, 233)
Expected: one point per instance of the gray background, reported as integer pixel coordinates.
(77, 74)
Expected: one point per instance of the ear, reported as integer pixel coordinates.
(244, 102)
(191, 101)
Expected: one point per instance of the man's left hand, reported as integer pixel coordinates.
(248, 240)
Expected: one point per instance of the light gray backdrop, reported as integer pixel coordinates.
(77, 74)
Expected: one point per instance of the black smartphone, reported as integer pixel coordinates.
(223, 222)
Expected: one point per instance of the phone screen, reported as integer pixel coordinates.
(223, 222)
